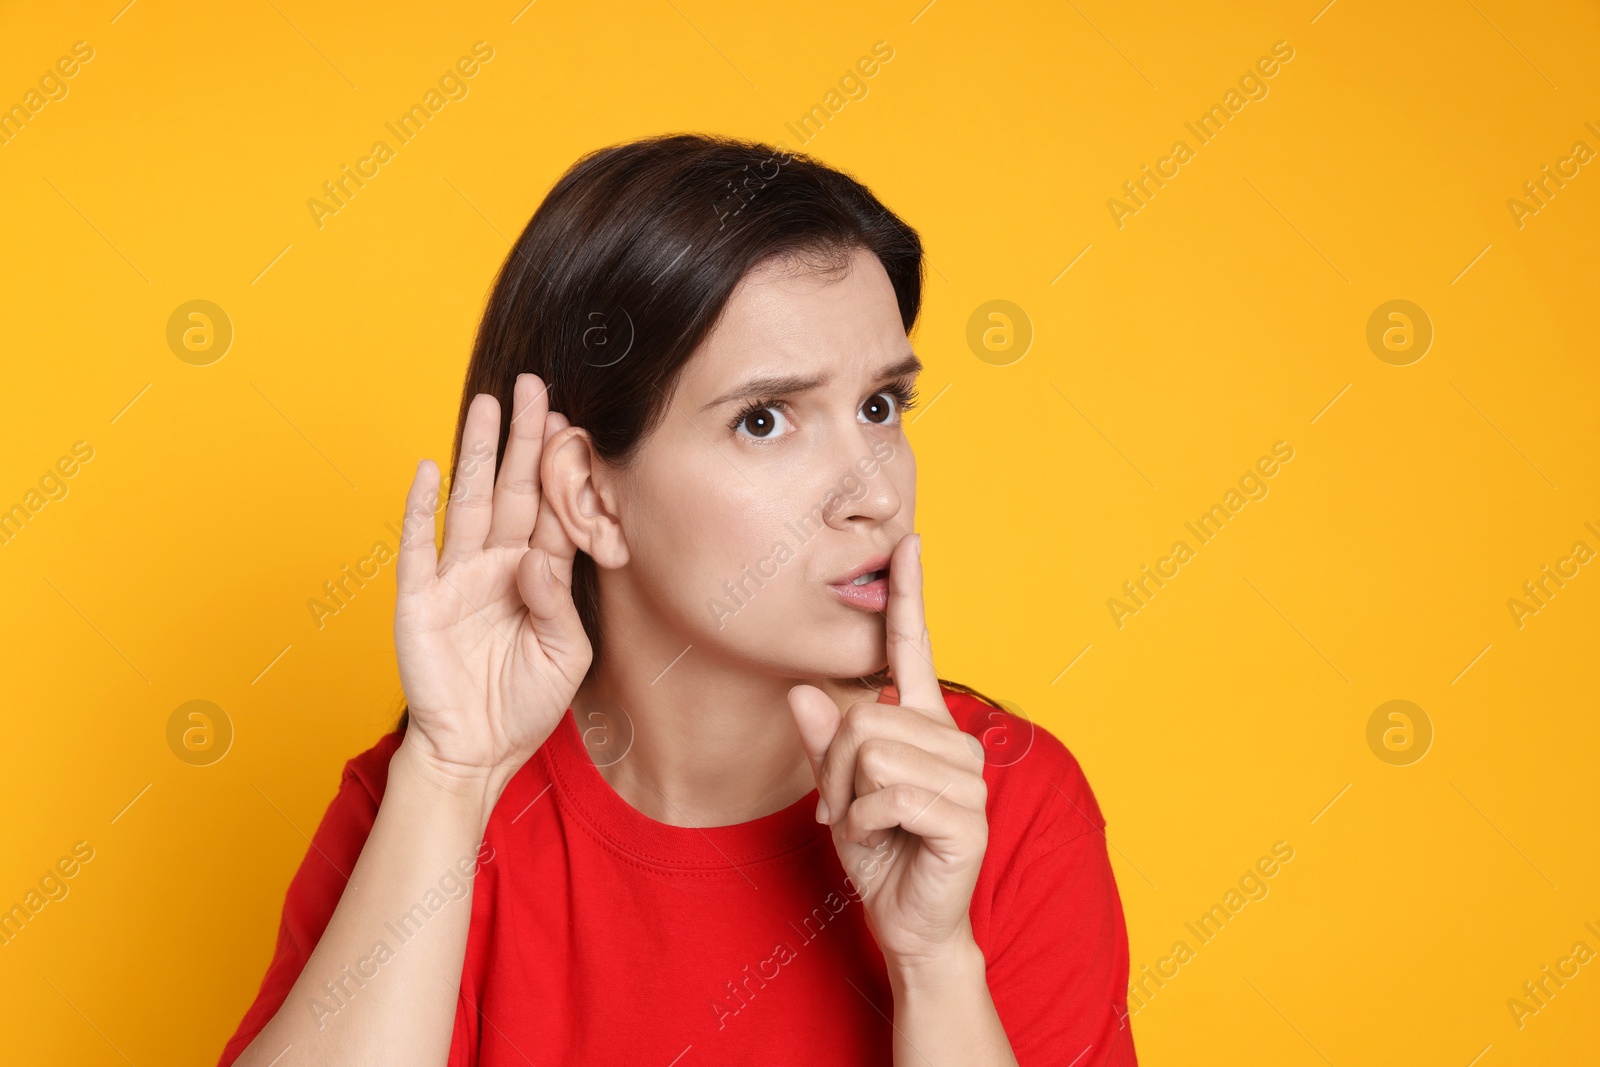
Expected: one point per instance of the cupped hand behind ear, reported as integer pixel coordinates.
(489, 642)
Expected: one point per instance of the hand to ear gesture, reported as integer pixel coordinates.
(903, 788)
(490, 646)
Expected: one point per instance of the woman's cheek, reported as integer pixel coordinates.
(701, 540)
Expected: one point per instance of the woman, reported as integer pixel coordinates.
(654, 799)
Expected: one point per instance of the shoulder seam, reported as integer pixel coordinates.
(1060, 845)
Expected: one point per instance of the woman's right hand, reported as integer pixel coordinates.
(489, 642)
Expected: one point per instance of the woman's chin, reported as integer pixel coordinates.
(825, 648)
(852, 656)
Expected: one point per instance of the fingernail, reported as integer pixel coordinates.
(916, 545)
(822, 810)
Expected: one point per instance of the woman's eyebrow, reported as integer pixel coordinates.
(772, 385)
(905, 368)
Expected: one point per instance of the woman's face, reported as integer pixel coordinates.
(780, 474)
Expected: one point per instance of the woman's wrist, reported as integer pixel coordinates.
(471, 791)
(959, 965)
(943, 1009)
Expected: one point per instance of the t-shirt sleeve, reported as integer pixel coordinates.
(313, 894)
(1058, 965)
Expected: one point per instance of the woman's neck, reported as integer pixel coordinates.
(695, 741)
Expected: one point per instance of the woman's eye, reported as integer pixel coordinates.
(768, 421)
(762, 423)
(880, 408)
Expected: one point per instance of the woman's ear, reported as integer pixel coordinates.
(581, 492)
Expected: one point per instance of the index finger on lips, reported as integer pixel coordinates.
(910, 648)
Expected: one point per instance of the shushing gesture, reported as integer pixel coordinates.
(490, 646)
(902, 787)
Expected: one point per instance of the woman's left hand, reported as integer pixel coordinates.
(903, 789)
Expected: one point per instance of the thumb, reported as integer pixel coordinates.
(555, 616)
(817, 718)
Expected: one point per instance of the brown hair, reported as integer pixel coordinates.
(627, 264)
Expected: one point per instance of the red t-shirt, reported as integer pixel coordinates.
(600, 936)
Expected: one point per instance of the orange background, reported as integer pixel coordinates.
(1228, 313)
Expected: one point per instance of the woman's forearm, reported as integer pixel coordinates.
(944, 1015)
(382, 983)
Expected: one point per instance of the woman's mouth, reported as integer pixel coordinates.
(867, 590)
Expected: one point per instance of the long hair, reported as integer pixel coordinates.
(626, 266)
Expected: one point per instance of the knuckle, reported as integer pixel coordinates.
(862, 719)
(875, 757)
(862, 710)
(521, 486)
(906, 799)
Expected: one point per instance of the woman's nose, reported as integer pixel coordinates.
(866, 486)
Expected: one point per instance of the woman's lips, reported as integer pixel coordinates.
(868, 596)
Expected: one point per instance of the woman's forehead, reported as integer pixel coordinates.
(783, 321)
